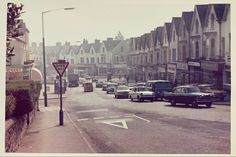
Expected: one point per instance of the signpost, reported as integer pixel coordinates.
(60, 67)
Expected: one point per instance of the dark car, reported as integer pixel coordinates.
(188, 94)
(159, 87)
(111, 87)
(99, 84)
(209, 88)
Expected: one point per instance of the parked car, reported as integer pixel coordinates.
(159, 87)
(188, 94)
(88, 86)
(111, 87)
(99, 84)
(122, 92)
(141, 93)
(104, 86)
(140, 84)
(209, 88)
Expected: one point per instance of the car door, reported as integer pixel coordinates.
(176, 94)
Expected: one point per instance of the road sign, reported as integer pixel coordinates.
(60, 66)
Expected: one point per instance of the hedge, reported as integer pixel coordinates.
(25, 93)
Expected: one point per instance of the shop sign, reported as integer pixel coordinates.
(210, 66)
(195, 64)
(171, 68)
(182, 66)
(162, 69)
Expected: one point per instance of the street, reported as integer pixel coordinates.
(110, 125)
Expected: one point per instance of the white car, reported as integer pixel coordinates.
(122, 92)
(141, 93)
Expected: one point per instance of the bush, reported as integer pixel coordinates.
(25, 94)
(10, 106)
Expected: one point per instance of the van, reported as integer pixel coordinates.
(159, 87)
(88, 87)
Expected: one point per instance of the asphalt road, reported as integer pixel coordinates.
(111, 125)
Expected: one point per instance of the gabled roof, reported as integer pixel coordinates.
(86, 47)
(175, 23)
(219, 10)
(187, 17)
(202, 10)
(168, 30)
(160, 34)
(97, 47)
(110, 45)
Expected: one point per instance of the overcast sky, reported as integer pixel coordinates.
(99, 19)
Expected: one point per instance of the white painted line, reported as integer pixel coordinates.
(114, 123)
(98, 118)
(82, 119)
(148, 121)
(97, 110)
(114, 116)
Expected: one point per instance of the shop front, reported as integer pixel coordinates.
(171, 72)
(182, 75)
(195, 72)
(213, 73)
(162, 72)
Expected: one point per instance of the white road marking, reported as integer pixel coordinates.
(148, 121)
(97, 110)
(82, 119)
(114, 116)
(98, 118)
(113, 122)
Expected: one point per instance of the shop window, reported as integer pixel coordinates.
(87, 60)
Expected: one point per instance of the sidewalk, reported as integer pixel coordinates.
(46, 135)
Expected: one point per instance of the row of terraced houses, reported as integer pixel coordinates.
(193, 48)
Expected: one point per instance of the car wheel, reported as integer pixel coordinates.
(194, 104)
(131, 99)
(173, 103)
(208, 105)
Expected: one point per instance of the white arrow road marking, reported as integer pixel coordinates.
(98, 110)
(113, 122)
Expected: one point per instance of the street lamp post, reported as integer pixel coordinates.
(44, 57)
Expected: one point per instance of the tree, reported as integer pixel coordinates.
(14, 27)
(119, 36)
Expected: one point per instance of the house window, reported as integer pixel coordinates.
(87, 60)
(146, 59)
(174, 55)
(92, 60)
(197, 26)
(197, 49)
(212, 21)
(151, 58)
(92, 51)
(158, 55)
(117, 59)
(184, 52)
(169, 56)
(121, 49)
(103, 50)
(173, 35)
(72, 61)
(184, 31)
(81, 60)
(212, 48)
(223, 46)
(165, 57)
(81, 51)
(98, 60)
(122, 58)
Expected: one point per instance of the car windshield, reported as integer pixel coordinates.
(193, 90)
(123, 88)
(143, 89)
